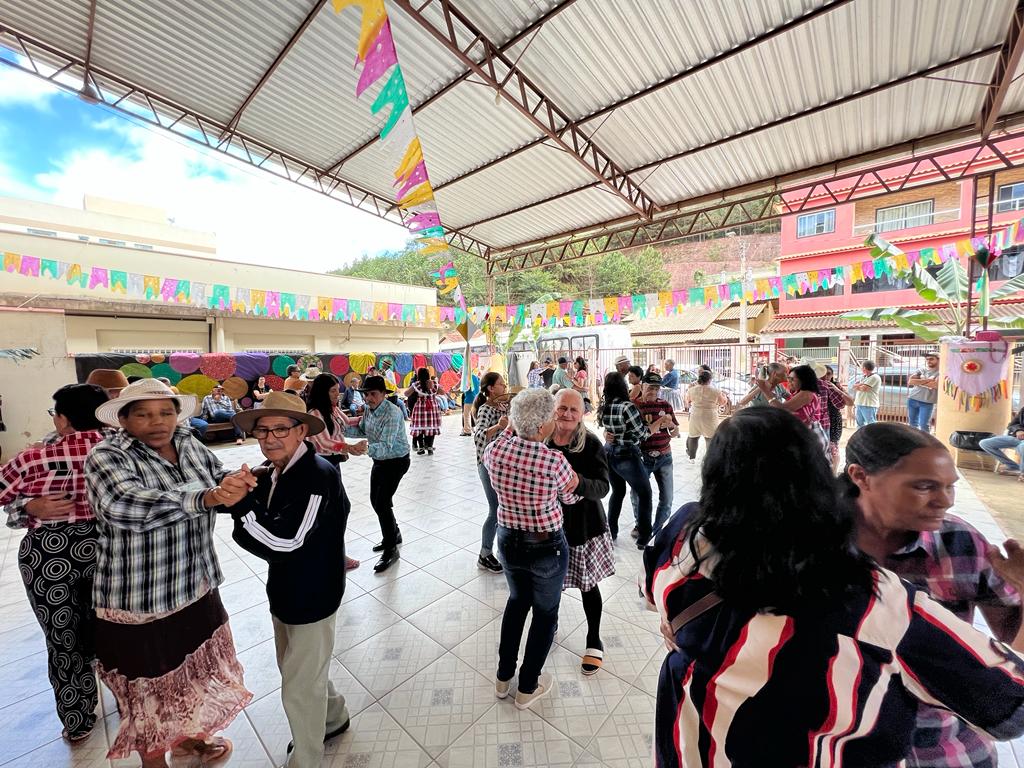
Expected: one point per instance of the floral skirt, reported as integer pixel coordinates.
(174, 678)
(590, 562)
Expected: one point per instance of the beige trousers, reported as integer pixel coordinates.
(311, 704)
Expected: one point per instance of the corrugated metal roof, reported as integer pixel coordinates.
(713, 333)
(689, 320)
(829, 321)
(754, 311)
(208, 56)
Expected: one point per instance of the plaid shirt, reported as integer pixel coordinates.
(487, 416)
(951, 565)
(384, 430)
(624, 421)
(529, 479)
(211, 406)
(156, 538)
(53, 468)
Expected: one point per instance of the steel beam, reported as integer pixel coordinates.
(1005, 69)
(980, 158)
(516, 38)
(233, 122)
(924, 73)
(462, 38)
(140, 104)
(676, 78)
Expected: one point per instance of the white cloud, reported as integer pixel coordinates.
(21, 88)
(256, 217)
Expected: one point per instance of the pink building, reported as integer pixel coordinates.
(913, 219)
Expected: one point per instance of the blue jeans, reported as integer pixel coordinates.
(534, 571)
(491, 523)
(224, 417)
(661, 468)
(627, 467)
(865, 414)
(919, 414)
(996, 445)
(199, 425)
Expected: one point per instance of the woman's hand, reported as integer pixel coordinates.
(502, 423)
(668, 636)
(1011, 566)
(573, 483)
(50, 507)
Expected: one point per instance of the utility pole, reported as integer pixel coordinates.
(744, 280)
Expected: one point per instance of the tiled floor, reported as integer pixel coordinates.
(415, 647)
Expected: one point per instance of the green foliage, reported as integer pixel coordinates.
(595, 276)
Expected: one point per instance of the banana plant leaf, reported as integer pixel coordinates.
(1006, 322)
(921, 324)
(1009, 288)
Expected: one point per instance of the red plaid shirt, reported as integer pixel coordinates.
(55, 468)
(529, 479)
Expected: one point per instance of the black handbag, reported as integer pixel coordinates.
(966, 440)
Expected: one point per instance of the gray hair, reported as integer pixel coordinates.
(530, 409)
(579, 436)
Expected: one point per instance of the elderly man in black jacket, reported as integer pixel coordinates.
(295, 519)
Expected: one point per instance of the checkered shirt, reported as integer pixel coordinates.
(53, 468)
(951, 565)
(156, 538)
(624, 421)
(487, 416)
(529, 479)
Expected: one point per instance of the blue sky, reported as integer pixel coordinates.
(56, 148)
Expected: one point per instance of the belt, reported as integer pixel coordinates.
(656, 454)
(534, 536)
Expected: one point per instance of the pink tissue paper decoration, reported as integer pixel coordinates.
(379, 59)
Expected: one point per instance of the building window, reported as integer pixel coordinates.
(1011, 197)
(1009, 264)
(890, 282)
(104, 241)
(43, 232)
(281, 351)
(835, 290)
(142, 246)
(155, 350)
(905, 216)
(84, 238)
(811, 224)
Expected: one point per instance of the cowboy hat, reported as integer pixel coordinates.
(145, 389)
(107, 378)
(312, 371)
(818, 368)
(374, 384)
(279, 404)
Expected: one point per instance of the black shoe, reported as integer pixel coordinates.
(387, 559)
(488, 563)
(635, 533)
(420, 451)
(379, 546)
(328, 736)
(641, 543)
(430, 451)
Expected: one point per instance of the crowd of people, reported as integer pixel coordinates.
(809, 619)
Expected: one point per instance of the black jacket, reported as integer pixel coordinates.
(586, 519)
(301, 535)
(1017, 424)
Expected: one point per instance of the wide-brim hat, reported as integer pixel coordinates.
(932, 353)
(145, 389)
(374, 384)
(107, 378)
(651, 378)
(621, 359)
(279, 404)
(818, 368)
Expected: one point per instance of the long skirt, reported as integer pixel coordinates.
(174, 678)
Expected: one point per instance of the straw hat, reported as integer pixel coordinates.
(279, 404)
(145, 389)
(818, 368)
(107, 378)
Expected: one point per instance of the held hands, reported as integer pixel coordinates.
(1019, 434)
(358, 449)
(503, 423)
(232, 489)
(50, 507)
(1011, 566)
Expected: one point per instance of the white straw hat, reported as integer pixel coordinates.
(145, 389)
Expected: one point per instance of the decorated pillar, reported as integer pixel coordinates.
(974, 387)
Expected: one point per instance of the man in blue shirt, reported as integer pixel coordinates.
(387, 444)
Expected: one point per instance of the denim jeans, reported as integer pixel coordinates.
(627, 467)
(996, 445)
(865, 414)
(534, 571)
(661, 468)
(224, 417)
(919, 414)
(491, 523)
(199, 425)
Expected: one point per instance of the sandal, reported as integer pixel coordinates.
(593, 658)
(77, 736)
(351, 563)
(215, 750)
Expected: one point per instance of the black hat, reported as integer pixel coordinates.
(374, 384)
(651, 378)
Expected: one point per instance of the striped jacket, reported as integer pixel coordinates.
(839, 688)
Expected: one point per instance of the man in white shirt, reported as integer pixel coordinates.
(866, 399)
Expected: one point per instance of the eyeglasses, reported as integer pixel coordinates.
(260, 433)
(51, 411)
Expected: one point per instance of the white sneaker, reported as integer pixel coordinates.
(544, 683)
(501, 688)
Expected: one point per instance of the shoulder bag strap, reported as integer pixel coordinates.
(694, 610)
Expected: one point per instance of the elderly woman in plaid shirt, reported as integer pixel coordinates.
(531, 482)
(163, 644)
(44, 490)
